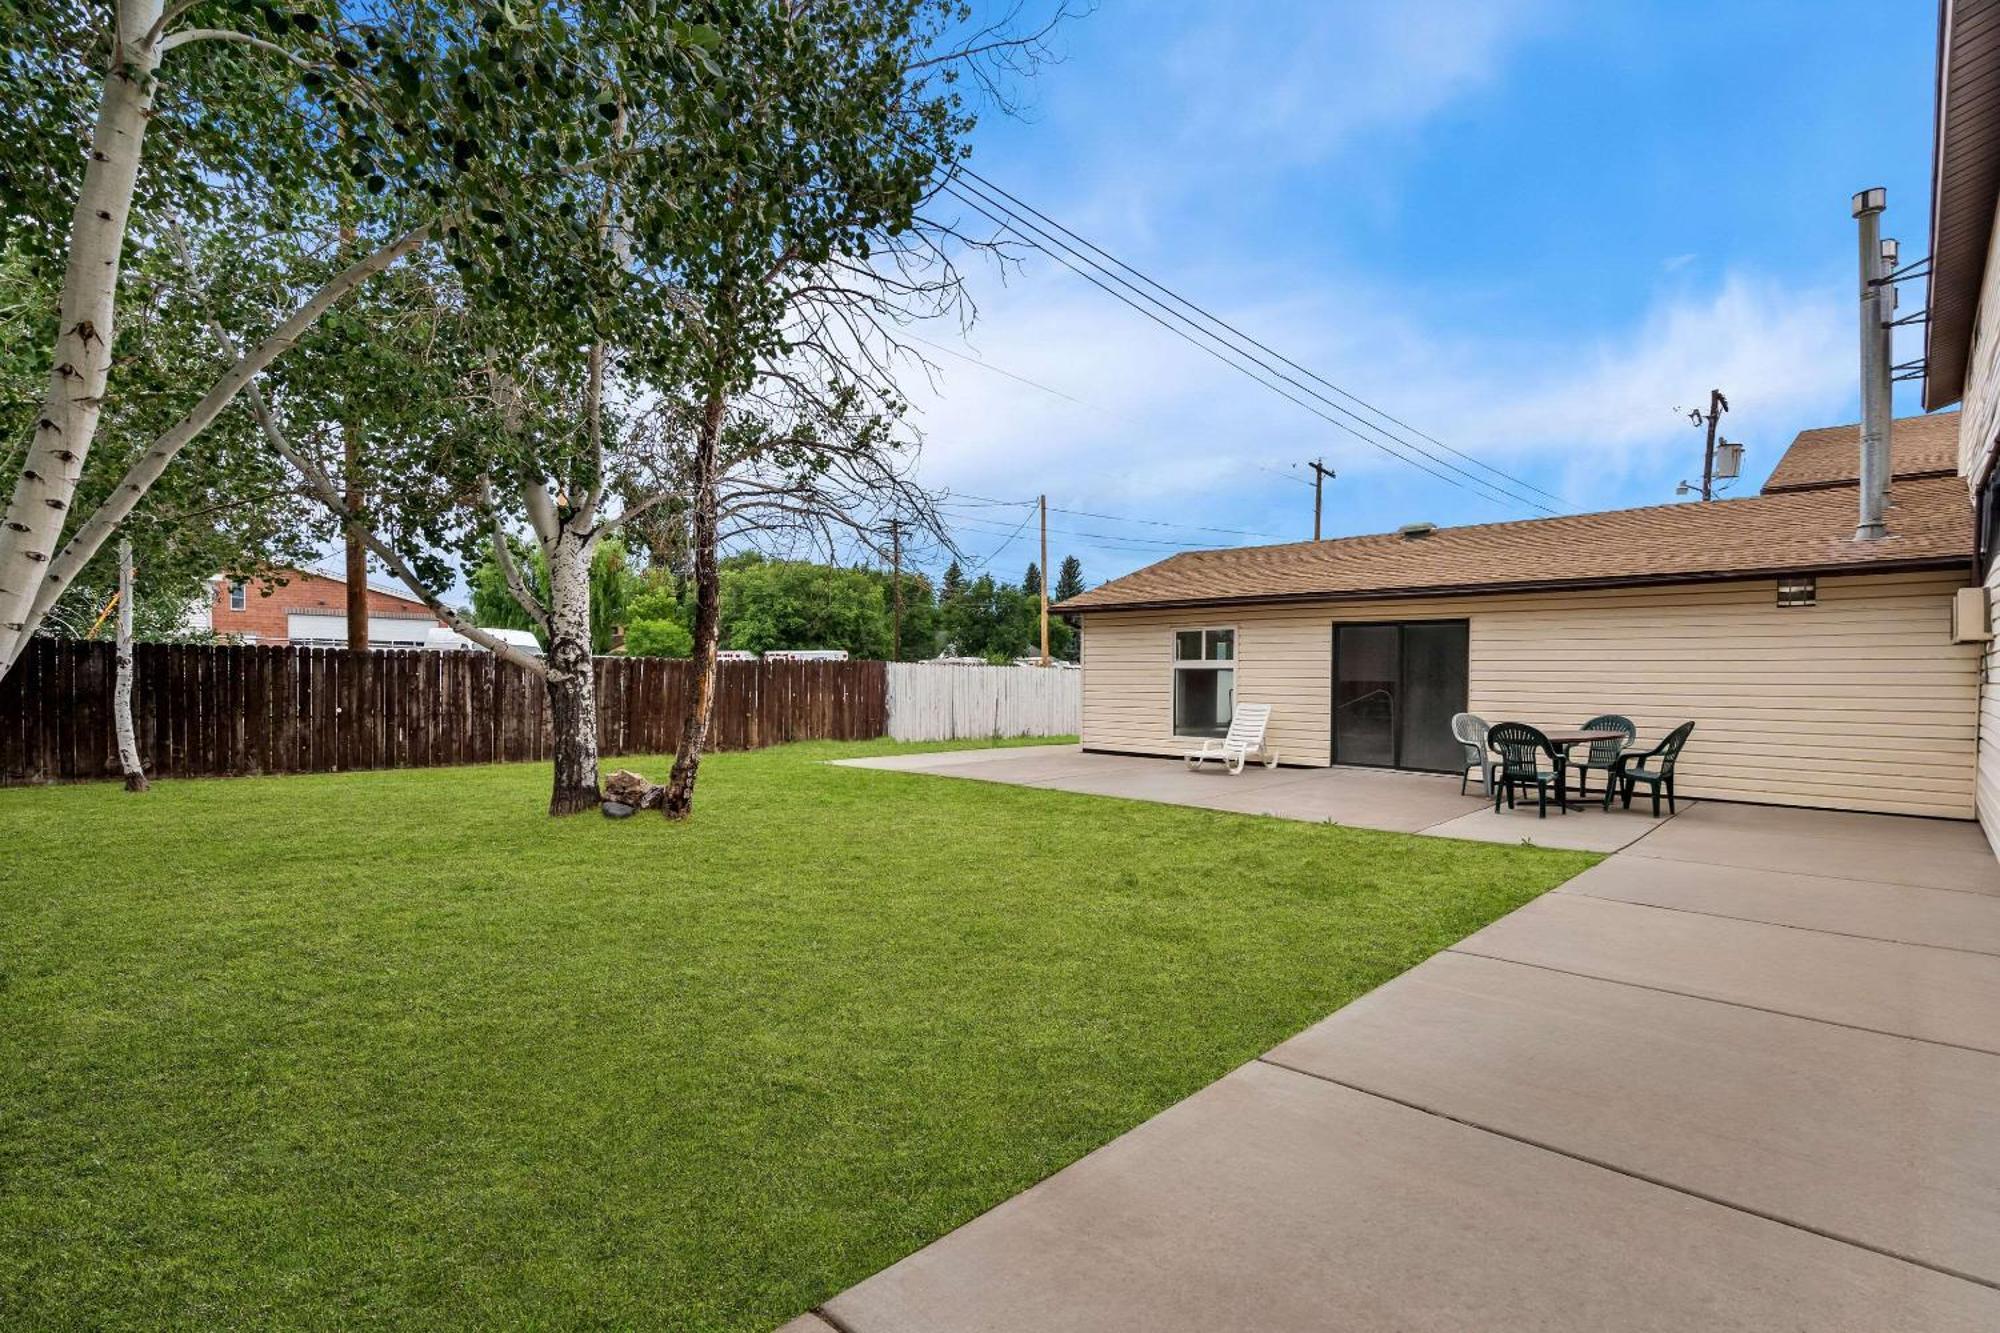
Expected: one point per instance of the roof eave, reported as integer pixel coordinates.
(1911, 565)
(1961, 218)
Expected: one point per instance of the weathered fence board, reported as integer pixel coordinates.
(218, 711)
(930, 701)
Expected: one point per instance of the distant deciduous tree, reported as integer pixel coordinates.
(781, 604)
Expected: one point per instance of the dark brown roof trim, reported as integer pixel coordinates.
(1540, 585)
(1793, 488)
(1965, 178)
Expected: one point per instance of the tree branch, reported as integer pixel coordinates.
(139, 478)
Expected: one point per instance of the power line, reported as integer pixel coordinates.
(1280, 472)
(1008, 221)
(1224, 358)
(1254, 342)
(1126, 518)
(984, 364)
(994, 554)
(1111, 537)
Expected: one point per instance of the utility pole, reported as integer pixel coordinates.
(1717, 405)
(1321, 475)
(1044, 502)
(896, 588)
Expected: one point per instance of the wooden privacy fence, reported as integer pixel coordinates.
(933, 702)
(211, 711)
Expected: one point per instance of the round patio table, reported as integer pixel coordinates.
(1563, 739)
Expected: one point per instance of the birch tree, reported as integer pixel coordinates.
(446, 126)
(121, 696)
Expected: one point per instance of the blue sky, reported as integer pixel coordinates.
(1530, 228)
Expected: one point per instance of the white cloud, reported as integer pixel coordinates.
(1161, 430)
(1298, 90)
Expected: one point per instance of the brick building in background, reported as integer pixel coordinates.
(309, 610)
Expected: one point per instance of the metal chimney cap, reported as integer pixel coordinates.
(1870, 201)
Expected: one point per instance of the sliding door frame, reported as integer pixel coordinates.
(1402, 686)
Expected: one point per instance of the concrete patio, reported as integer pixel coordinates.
(1744, 1073)
(1397, 802)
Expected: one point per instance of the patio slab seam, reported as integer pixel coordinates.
(1803, 874)
(1641, 1176)
(1567, 887)
(1716, 999)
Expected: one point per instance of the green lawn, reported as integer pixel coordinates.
(396, 1049)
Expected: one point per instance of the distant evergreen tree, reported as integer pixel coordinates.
(1031, 582)
(954, 583)
(1069, 583)
(1069, 579)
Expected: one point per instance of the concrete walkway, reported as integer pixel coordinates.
(1743, 1074)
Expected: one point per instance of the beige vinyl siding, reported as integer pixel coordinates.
(1988, 788)
(1860, 702)
(1978, 426)
(1979, 421)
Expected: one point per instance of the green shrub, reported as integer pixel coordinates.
(658, 638)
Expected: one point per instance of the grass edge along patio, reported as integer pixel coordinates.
(360, 1047)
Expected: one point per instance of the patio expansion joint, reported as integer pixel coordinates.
(1715, 999)
(1801, 874)
(1630, 1174)
(1565, 888)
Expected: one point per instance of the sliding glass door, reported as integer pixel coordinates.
(1395, 688)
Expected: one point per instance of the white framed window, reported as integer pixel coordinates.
(239, 595)
(1204, 680)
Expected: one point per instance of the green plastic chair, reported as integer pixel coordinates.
(1604, 755)
(1521, 749)
(1654, 767)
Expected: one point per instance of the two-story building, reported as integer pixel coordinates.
(308, 609)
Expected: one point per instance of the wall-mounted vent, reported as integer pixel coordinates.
(1971, 621)
(1798, 590)
(1410, 532)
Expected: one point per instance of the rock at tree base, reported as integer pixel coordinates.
(617, 810)
(654, 797)
(625, 787)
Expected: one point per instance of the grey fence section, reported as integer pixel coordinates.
(930, 701)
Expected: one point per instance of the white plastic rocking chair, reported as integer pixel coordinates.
(1245, 739)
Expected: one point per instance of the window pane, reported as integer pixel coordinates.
(1187, 646)
(1364, 694)
(1221, 645)
(1434, 679)
(1204, 700)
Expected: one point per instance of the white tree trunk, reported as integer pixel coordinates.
(70, 408)
(121, 697)
(572, 683)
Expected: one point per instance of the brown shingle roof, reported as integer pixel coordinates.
(1795, 532)
(1831, 455)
